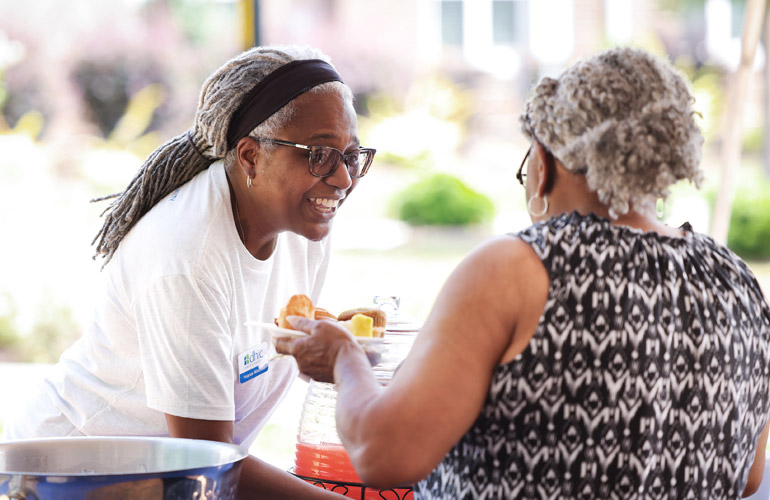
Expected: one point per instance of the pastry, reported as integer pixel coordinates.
(321, 313)
(298, 305)
(379, 318)
(361, 322)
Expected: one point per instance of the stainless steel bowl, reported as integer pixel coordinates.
(119, 468)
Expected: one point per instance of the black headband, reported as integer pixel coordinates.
(275, 91)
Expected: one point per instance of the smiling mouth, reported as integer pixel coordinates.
(326, 205)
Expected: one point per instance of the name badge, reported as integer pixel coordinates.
(253, 362)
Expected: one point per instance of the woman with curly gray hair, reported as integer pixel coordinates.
(596, 354)
(624, 124)
(221, 225)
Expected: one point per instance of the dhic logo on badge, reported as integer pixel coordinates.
(253, 362)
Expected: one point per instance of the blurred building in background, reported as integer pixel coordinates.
(508, 39)
(500, 48)
(80, 66)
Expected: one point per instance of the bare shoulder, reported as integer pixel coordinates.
(508, 255)
(500, 276)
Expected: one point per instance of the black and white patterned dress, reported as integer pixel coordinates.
(648, 376)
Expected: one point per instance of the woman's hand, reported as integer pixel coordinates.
(316, 354)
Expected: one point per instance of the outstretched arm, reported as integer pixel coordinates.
(482, 317)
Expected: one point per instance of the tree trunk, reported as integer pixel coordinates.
(731, 137)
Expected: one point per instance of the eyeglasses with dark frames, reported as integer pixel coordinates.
(521, 174)
(324, 160)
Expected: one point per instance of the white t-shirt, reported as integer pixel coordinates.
(168, 333)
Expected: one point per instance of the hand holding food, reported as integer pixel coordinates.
(316, 354)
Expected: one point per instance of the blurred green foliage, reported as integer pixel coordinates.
(132, 129)
(413, 129)
(10, 54)
(419, 161)
(439, 96)
(9, 339)
(54, 331)
(708, 89)
(753, 140)
(382, 105)
(3, 98)
(680, 5)
(200, 21)
(443, 200)
(749, 234)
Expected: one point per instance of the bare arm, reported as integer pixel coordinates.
(758, 467)
(441, 387)
(258, 479)
(398, 436)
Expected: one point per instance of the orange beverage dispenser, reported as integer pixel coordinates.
(320, 457)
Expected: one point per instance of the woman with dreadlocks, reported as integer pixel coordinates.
(220, 225)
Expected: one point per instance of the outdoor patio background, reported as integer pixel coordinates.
(427, 104)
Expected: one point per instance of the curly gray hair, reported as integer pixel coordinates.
(181, 158)
(625, 118)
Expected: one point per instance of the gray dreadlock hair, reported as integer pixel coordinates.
(181, 158)
(625, 118)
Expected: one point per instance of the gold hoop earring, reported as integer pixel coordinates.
(248, 181)
(541, 212)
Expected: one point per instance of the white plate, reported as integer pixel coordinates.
(278, 332)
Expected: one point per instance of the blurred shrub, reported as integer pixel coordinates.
(753, 140)
(53, 332)
(708, 88)
(9, 339)
(429, 121)
(422, 160)
(84, 72)
(749, 234)
(442, 200)
(30, 124)
(108, 85)
(132, 131)
(138, 114)
(11, 52)
(104, 88)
